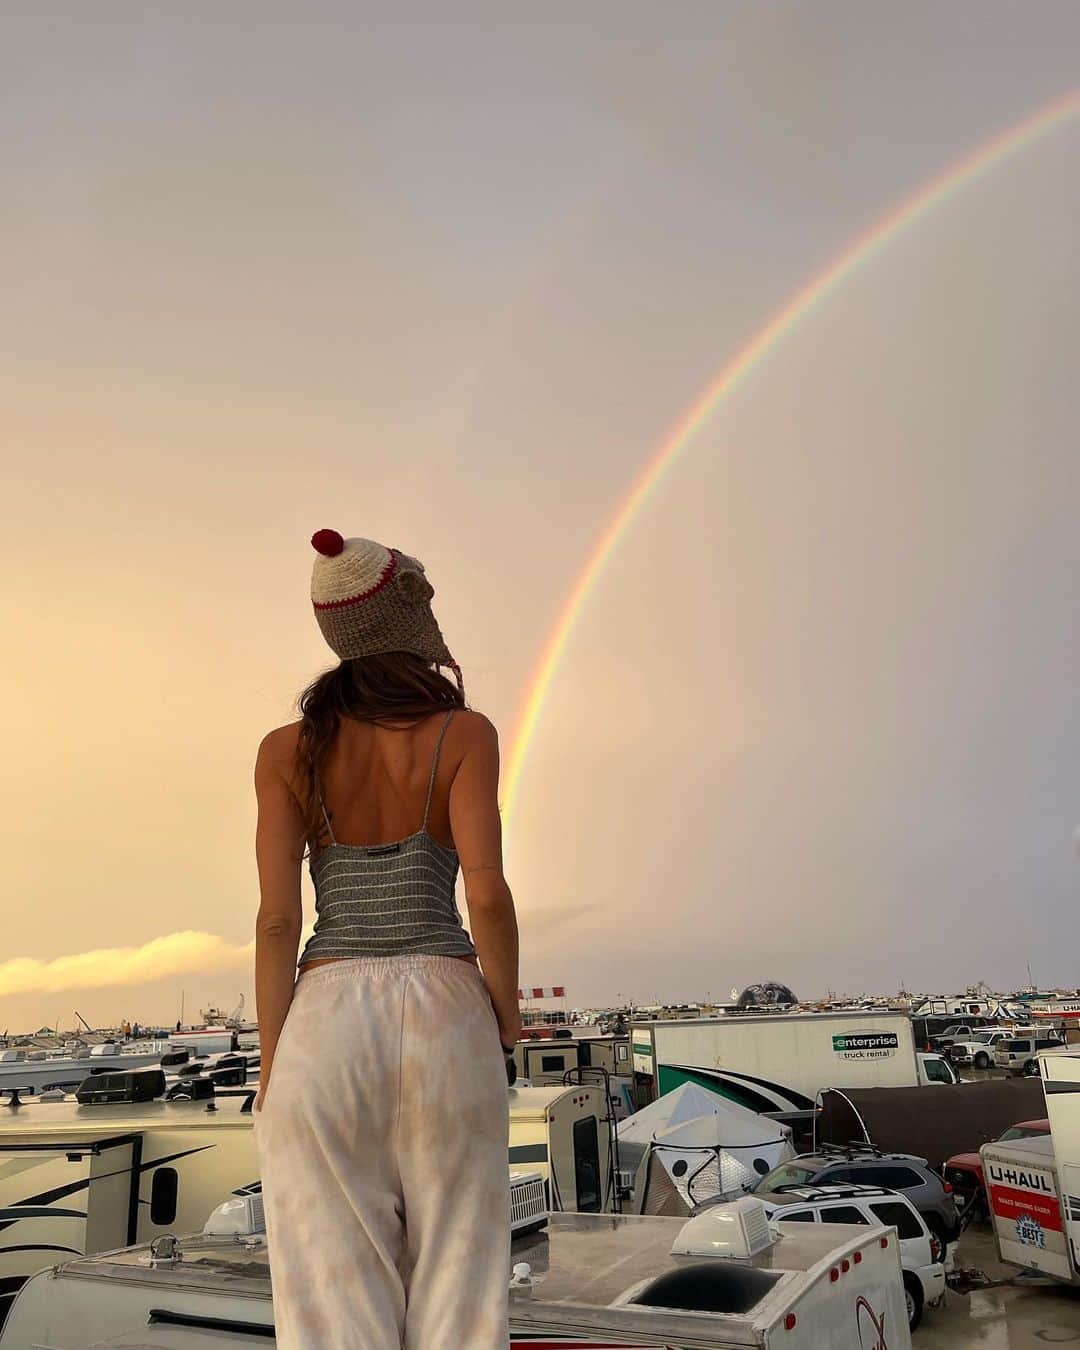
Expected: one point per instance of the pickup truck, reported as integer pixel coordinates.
(964, 1171)
(978, 1049)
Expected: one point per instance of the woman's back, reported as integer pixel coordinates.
(384, 882)
(375, 779)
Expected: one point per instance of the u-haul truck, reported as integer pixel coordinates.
(1024, 1196)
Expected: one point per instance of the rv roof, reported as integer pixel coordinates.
(68, 1119)
(526, 1102)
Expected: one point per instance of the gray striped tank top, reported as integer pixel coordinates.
(387, 899)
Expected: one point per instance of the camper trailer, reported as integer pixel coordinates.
(727, 1280)
(565, 1134)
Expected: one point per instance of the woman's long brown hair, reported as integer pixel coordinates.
(390, 688)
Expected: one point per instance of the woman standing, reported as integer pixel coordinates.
(382, 1119)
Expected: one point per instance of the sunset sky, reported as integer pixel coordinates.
(448, 278)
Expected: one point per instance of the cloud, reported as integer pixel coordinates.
(158, 959)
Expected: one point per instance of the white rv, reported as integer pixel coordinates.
(802, 1052)
(727, 1280)
(565, 1134)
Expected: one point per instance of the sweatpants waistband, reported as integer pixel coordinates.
(386, 967)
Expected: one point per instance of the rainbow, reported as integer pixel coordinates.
(860, 251)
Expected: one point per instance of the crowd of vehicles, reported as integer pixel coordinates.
(157, 1156)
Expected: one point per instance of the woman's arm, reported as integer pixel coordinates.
(279, 849)
(477, 831)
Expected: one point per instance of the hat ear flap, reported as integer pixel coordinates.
(413, 585)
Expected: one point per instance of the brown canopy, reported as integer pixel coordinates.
(931, 1122)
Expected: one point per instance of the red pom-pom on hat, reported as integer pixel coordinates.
(327, 542)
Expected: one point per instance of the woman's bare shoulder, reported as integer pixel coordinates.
(279, 745)
(474, 729)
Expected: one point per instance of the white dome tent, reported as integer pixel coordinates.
(690, 1145)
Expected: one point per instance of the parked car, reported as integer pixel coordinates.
(1019, 1054)
(964, 1171)
(902, 1172)
(978, 1051)
(921, 1251)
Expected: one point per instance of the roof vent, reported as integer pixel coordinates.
(739, 1229)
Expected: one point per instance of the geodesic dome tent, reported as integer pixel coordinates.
(690, 1145)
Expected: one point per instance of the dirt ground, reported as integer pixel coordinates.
(1006, 1318)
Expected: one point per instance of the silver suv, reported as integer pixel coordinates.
(1019, 1054)
(865, 1166)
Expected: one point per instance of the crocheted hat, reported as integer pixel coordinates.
(369, 599)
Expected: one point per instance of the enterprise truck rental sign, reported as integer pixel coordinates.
(866, 1044)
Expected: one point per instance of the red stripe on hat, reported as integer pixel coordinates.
(388, 572)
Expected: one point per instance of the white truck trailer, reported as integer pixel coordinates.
(1033, 1185)
(803, 1052)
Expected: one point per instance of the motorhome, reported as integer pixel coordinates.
(728, 1280)
(84, 1176)
(804, 1052)
(78, 1177)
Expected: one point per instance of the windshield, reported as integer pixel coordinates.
(787, 1174)
(982, 1037)
(1021, 1132)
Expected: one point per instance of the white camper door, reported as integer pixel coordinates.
(108, 1207)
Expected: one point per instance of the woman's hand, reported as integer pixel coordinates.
(509, 1032)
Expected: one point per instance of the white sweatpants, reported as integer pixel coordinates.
(382, 1139)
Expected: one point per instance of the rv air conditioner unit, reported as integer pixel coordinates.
(739, 1229)
(239, 1216)
(528, 1202)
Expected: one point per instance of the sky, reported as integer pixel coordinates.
(448, 279)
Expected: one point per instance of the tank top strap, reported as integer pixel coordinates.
(435, 766)
(326, 820)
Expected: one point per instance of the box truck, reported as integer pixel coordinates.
(750, 1057)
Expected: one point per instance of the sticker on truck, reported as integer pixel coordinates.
(866, 1044)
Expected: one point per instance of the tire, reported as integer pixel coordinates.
(913, 1297)
(936, 1224)
(1031, 1069)
(982, 1060)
